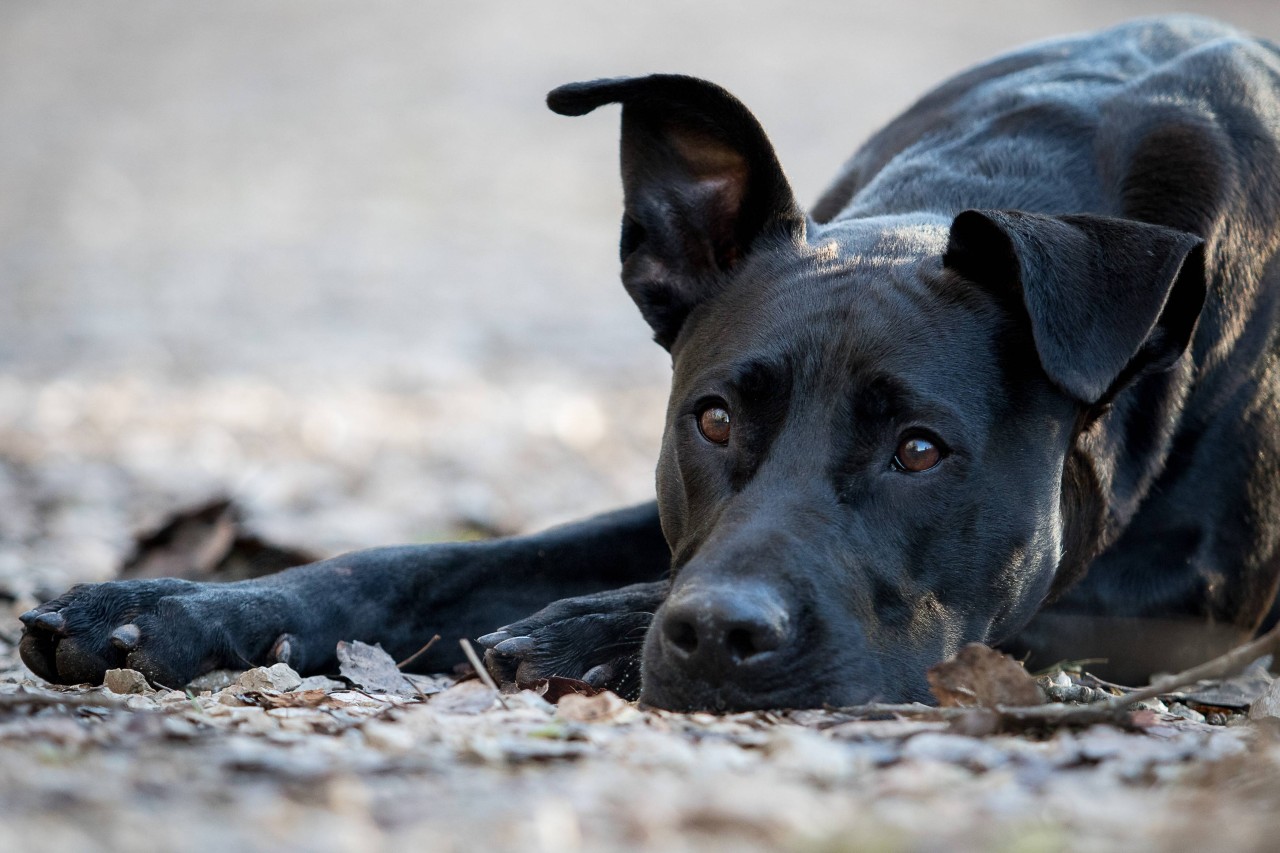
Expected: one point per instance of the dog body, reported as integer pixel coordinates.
(1015, 380)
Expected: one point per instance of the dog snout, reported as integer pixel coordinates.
(712, 632)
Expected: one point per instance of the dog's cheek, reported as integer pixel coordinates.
(673, 506)
(692, 485)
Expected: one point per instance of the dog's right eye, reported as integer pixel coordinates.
(917, 453)
(713, 423)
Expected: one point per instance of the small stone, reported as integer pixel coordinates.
(321, 682)
(231, 699)
(809, 754)
(218, 679)
(177, 700)
(125, 681)
(1151, 705)
(388, 737)
(1186, 713)
(278, 678)
(970, 752)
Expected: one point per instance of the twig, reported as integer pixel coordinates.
(920, 711)
(1222, 666)
(1108, 710)
(482, 672)
(413, 657)
(1067, 666)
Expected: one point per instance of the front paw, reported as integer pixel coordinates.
(596, 638)
(153, 626)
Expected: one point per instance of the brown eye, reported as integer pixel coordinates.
(917, 454)
(713, 423)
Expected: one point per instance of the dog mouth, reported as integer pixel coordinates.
(672, 692)
(809, 668)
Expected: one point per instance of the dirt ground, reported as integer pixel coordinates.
(337, 262)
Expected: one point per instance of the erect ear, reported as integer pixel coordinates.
(701, 184)
(1108, 299)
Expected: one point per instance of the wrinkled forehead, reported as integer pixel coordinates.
(852, 304)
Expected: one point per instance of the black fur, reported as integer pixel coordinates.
(1058, 270)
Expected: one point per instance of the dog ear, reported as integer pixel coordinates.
(701, 185)
(1108, 299)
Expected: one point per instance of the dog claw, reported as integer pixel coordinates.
(282, 650)
(51, 621)
(515, 646)
(491, 640)
(599, 676)
(126, 637)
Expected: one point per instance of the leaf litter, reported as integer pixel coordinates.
(625, 776)
(1006, 759)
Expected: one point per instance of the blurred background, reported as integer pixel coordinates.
(338, 262)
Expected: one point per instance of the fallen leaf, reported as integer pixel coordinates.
(1234, 694)
(1267, 706)
(297, 699)
(370, 668)
(557, 687)
(978, 675)
(208, 542)
(465, 697)
(603, 707)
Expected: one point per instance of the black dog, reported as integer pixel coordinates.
(1021, 359)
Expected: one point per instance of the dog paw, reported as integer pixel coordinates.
(153, 626)
(595, 638)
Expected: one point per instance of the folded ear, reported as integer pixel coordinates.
(1108, 299)
(701, 185)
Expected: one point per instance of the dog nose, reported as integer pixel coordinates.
(711, 632)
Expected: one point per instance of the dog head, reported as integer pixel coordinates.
(871, 447)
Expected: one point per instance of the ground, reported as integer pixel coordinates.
(338, 263)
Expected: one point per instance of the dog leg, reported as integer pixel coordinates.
(173, 630)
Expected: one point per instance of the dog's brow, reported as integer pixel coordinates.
(759, 379)
(885, 397)
(881, 398)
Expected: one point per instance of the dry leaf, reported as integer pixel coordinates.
(370, 668)
(1267, 706)
(978, 675)
(1232, 694)
(297, 699)
(208, 543)
(465, 697)
(557, 687)
(604, 707)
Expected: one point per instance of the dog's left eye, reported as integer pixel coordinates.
(713, 423)
(917, 453)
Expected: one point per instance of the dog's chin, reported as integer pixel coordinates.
(679, 694)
